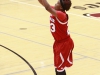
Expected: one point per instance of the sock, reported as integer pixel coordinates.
(62, 73)
(56, 71)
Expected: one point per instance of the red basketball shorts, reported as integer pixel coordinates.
(63, 54)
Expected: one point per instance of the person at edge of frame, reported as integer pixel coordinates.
(63, 44)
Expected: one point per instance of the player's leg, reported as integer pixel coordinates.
(60, 73)
(56, 71)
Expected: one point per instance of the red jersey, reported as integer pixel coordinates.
(59, 26)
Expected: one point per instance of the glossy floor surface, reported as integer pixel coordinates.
(24, 28)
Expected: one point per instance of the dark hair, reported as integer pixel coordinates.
(66, 4)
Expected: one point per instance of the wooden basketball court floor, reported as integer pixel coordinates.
(24, 28)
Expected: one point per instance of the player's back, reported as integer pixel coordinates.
(59, 29)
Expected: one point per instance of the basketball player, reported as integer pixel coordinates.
(63, 44)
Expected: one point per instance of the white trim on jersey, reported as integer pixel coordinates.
(61, 22)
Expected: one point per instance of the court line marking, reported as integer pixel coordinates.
(49, 65)
(22, 20)
(18, 72)
(26, 3)
(44, 44)
(22, 58)
(25, 39)
(43, 7)
(47, 26)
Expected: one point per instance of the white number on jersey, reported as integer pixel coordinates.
(52, 27)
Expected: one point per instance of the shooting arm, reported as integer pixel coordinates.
(40, 1)
(48, 7)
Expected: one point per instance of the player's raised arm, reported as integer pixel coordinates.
(40, 1)
(48, 7)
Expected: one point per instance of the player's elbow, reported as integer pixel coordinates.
(47, 8)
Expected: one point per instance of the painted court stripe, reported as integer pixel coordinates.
(43, 7)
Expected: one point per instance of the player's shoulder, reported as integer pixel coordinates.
(62, 16)
(60, 13)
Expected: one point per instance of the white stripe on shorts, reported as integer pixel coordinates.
(61, 59)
